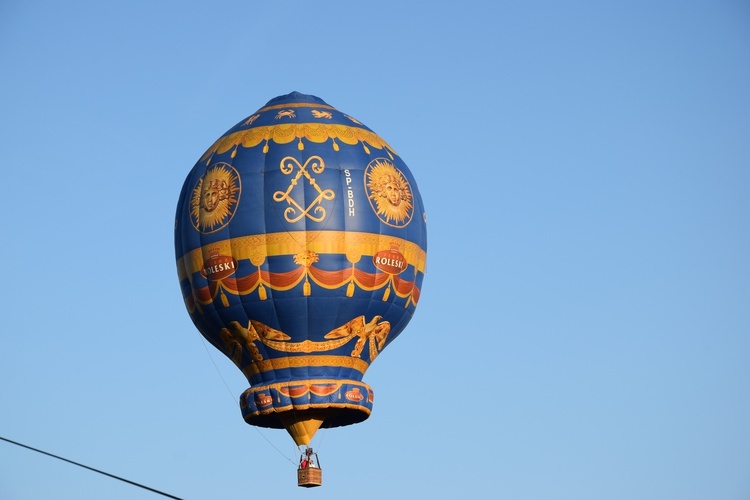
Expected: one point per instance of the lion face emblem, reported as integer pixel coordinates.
(215, 198)
(389, 193)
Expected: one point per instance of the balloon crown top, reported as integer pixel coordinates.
(296, 97)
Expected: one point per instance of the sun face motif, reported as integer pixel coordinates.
(389, 193)
(215, 198)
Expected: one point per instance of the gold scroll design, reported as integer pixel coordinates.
(237, 338)
(295, 211)
(285, 133)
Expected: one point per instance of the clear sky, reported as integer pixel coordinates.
(584, 324)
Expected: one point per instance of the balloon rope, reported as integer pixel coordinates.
(322, 438)
(231, 396)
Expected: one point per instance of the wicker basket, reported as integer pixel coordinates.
(309, 477)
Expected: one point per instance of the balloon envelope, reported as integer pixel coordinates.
(300, 241)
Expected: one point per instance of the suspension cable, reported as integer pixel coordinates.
(231, 396)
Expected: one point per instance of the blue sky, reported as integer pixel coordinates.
(584, 321)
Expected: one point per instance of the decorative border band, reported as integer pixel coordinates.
(288, 132)
(288, 362)
(257, 248)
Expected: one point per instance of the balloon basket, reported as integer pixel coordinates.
(309, 477)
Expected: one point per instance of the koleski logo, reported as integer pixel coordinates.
(390, 261)
(263, 399)
(389, 193)
(215, 198)
(218, 267)
(354, 395)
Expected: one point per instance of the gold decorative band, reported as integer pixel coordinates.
(296, 105)
(257, 248)
(288, 132)
(304, 361)
(322, 385)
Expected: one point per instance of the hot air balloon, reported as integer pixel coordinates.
(300, 239)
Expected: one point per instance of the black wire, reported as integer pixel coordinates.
(90, 468)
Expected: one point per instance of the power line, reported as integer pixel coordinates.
(90, 468)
